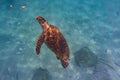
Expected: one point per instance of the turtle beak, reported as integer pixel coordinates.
(40, 19)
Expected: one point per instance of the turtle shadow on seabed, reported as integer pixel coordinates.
(92, 66)
(85, 58)
(41, 74)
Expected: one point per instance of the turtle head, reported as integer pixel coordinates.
(40, 19)
(43, 22)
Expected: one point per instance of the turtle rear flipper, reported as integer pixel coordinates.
(39, 43)
(64, 63)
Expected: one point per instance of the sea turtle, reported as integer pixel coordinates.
(55, 41)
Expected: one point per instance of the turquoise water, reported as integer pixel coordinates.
(91, 23)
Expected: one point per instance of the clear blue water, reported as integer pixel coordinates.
(91, 23)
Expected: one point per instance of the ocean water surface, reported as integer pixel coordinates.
(90, 25)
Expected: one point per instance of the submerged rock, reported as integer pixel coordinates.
(85, 57)
(41, 74)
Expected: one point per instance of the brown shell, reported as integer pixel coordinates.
(57, 43)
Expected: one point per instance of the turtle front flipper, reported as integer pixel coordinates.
(39, 43)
